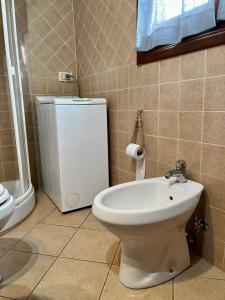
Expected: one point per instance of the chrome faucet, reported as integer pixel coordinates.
(179, 172)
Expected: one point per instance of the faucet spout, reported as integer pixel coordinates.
(179, 172)
(169, 174)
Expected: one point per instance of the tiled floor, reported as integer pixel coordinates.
(53, 256)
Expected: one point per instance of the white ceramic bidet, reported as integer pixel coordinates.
(149, 216)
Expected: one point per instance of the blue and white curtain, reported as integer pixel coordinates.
(164, 22)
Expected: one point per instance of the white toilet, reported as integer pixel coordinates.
(7, 206)
(149, 216)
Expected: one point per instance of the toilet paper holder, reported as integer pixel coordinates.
(138, 128)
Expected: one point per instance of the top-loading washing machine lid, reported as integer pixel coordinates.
(79, 101)
(70, 100)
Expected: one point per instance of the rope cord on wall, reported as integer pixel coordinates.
(138, 127)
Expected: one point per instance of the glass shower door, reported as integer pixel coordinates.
(15, 87)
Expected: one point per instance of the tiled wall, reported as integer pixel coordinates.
(183, 100)
(46, 45)
(8, 156)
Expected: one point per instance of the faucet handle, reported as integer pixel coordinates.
(181, 165)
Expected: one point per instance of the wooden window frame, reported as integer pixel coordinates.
(210, 38)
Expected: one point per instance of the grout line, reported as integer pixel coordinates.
(75, 46)
(178, 109)
(109, 271)
(173, 291)
(202, 123)
(161, 83)
(41, 278)
(158, 113)
(56, 257)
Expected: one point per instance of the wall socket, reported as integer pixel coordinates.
(62, 77)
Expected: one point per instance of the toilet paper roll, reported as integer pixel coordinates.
(132, 151)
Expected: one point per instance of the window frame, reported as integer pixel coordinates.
(210, 38)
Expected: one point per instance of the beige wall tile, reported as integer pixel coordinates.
(215, 93)
(191, 95)
(214, 191)
(192, 65)
(168, 151)
(123, 120)
(151, 147)
(216, 221)
(124, 161)
(112, 100)
(135, 98)
(123, 99)
(113, 119)
(150, 95)
(113, 157)
(123, 176)
(150, 73)
(169, 69)
(122, 77)
(151, 122)
(135, 76)
(191, 153)
(214, 128)
(190, 126)
(168, 124)
(152, 168)
(213, 250)
(215, 59)
(124, 140)
(169, 96)
(213, 160)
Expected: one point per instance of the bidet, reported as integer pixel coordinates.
(149, 216)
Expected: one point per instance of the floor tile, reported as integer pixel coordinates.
(43, 207)
(3, 252)
(197, 288)
(46, 239)
(70, 279)
(93, 223)
(114, 290)
(116, 260)
(21, 272)
(93, 245)
(43, 200)
(11, 237)
(74, 218)
(201, 268)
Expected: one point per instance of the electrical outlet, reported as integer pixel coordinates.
(62, 77)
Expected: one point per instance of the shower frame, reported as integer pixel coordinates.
(26, 200)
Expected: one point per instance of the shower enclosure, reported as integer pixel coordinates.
(14, 160)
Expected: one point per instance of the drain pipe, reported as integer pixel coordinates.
(198, 225)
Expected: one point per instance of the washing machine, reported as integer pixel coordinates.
(73, 149)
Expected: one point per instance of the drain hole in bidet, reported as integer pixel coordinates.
(171, 197)
(171, 271)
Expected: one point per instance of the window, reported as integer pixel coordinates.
(165, 30)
